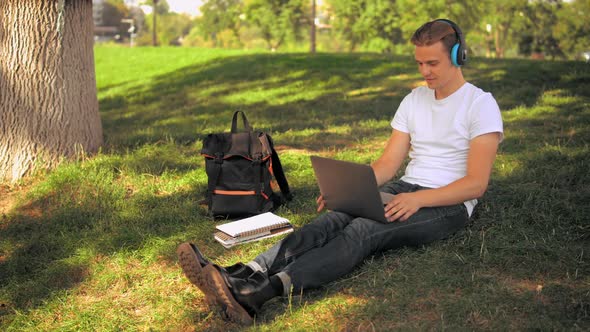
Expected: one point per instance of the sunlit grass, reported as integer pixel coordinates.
(91, 244)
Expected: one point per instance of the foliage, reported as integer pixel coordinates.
(161, 6)
(91, 245)
(220, 15)
(537, 34)
(172, 28)
(347, 14)
(498, 28)
(391, 23)
(539, 26)
(572, 29)
(502, 26)
(113, 12)
(278, 20)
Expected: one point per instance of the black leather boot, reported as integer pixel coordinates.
(241, 299)
(239, 270)
(253, 292)
(200, 257)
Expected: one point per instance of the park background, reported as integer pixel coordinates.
(89, 243)
(539, 29)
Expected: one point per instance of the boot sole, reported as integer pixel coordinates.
(188, 260)
(217, 290)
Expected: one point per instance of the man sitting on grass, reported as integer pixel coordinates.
(451, 131)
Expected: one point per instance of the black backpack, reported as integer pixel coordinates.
(240, 166)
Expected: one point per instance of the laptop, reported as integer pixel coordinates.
(350, 187)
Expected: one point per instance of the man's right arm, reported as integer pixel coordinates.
(395, 152)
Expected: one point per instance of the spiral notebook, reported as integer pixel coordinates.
(250, 229)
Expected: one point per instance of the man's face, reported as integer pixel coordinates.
(435, 65)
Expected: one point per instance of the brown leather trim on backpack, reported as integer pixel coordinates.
(238, 193)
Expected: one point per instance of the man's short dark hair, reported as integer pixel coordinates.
(432, 32)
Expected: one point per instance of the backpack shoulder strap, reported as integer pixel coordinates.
(277, 168)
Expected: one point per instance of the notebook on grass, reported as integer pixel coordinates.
(250, 229)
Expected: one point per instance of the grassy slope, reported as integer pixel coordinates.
(91, 245)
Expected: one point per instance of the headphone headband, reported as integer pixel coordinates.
(458, 51)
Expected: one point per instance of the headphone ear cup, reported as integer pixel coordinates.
(462, 55)
(455, 55)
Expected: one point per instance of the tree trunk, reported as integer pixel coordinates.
(498, 42)
(313, 28)
(155, 30)
(48, 104)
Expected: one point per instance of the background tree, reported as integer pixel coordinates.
(173, 28)
(388, 25)
(378, 25)
(347, 21)
(159, 7)
(503, 16)
(278, 20)
(312, 31)
(490, 26)
(162, 7)
(572, 29)
(537, 37)
(49, 108)
(113, 12)
(220, 15)
(154, 22)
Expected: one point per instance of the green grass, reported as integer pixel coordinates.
(91, 244)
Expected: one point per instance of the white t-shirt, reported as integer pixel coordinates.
(440, 131)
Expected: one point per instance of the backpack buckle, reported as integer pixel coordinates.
(219, 157)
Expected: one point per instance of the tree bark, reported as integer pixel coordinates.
(155, 29)
(313, 28)
(499, 42)
(48, 103)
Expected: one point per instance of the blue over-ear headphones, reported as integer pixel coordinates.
(458, 51)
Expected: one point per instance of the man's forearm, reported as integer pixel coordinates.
(482, 153)
(456, 192)
(395, 152)
(384, 171)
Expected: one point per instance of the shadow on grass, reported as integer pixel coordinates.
(531, 224)
(520, 82)
(278, 93)
(57, 234)
(285, 93)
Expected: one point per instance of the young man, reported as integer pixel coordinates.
(451, 131)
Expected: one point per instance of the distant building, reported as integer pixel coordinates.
(97, 12)
(102, 32)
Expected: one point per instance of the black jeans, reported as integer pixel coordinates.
(334, 243)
